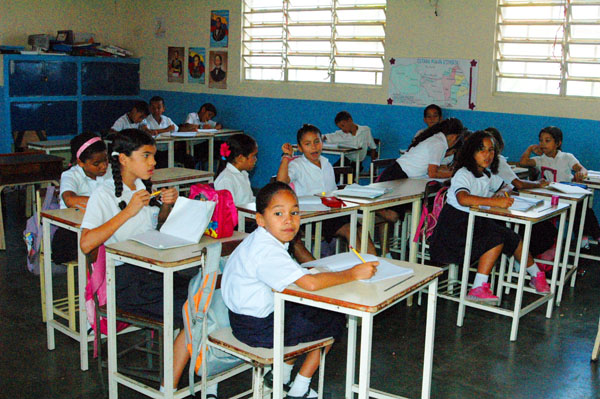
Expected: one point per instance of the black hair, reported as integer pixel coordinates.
(76, 143)
(208, 107)
(239, 144)
(264, 196)
(125, 142)
(447, 126)
(342, 116)
(556, 134)
(432, 106)
(156, 99)
(141, 106)
(466, 156)
(497, 138)
(306, 128)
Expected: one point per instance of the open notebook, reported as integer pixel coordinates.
(185, 225)
(358, 191)
(524, 204)
(346, 260)
(568, 188)
(311, 203)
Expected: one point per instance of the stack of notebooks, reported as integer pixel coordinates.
(358, 191)
(335, 146)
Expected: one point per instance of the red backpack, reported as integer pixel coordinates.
(225, 216)
(431, 210)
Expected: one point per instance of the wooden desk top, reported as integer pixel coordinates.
(405, 189)
(546, 192)
(168, 175)
(29, 167)
(535, 215)
(69, 216)
(19, 158)
(50, 144)
(333, 150)
(370, 297)
(199, 135)
(168, 257)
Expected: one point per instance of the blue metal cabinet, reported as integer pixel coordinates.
(42, 78)
(110, 78)
(99, 116)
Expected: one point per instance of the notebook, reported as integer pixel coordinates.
(358, 191)
(336, 146)
(311, 203)
(208, 130)
(347, 260)
(185, 225)
(183, 134)
(524, 204)
(568, 188)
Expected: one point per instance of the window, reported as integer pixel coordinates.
(548, 47)
(333, 41)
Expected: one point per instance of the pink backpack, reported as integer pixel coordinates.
(429, 217)
(225, 216)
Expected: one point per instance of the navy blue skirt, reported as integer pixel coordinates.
(302, 324)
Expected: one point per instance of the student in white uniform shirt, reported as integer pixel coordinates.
(201, 119)
(476, 183)
(352, 135)
(261, 264)
(122, 208)
(89, 166)
(238, 155)
(432, 114)
(132, 119)
(312, 174)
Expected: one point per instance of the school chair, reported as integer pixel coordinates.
(367, 174)
(596, 345)
(66, 307)
(346, 173)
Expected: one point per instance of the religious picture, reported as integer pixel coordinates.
(217, 77)
(175, 62)
(219, 28)
(196, 65)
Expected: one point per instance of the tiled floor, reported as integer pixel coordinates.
(551, 358)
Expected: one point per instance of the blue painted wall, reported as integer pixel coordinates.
(273, 121)
(5, 136)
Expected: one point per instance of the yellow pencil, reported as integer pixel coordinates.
(506, 194)
(154, 194)
(357, 254)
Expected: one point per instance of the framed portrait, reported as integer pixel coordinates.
(217, 75)
(219, 28)
(196, 65)
(175, 57)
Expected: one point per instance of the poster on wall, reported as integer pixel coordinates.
(175, 63)
(219, 28)
(196, 65)
(217, 76)
(449, 83)
(159, 27)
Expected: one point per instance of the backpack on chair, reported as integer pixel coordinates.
(431, 209)
(225, 217)
(33, 230)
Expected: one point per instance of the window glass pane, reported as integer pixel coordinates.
(584, 70)
(366, 78)
(589, 89)
(263, 61)
(584, 51)
(310, 3)
(549, 32)
(359, 62)
(360, 15)
(349, 3)
(263, 33)
(263, 4)
(540, 86)
(356, 47)
(264, 18)
(585, 32)
(296, 61)
(585, 12)
(310, 16)
(310, 31)
(263, 47)
(349, 31)
(309, 47)
(530, 50)
(263, 74)
(301, 75)
(530, 68)
(535, 13)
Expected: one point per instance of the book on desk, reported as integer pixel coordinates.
(358, 191)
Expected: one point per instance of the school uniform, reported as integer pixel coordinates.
(259, 265)
(125, 123)
(447, 244)
(558, 169)
(447, 160)
(363, 140)
(237, 183)
(415, 162)
(308, 179)
(194, 119)
(165, 122)
(137, 290)
(64, 242)
(505, 171)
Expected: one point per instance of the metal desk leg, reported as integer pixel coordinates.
(353, 229)
(364, 373)
(556, 263)
(364, 235)
(350, 356)
(2, 241)
(520, 283)
(565, 262)
(584, 206)
(171, 154)
(111, 321)
(211, 148)
(414, 224)
(82, 277)
(168, 334)
(429, 339)
(465, 275)
(278, 331)
(46, 242)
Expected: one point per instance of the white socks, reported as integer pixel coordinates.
(287, 372)
(301, 386)
(480, 279)
(533, 270)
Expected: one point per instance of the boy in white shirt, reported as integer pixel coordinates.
(201, 119)
(352, 135)
(132, 119)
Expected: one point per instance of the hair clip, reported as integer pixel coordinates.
(225, 151)
(114, 154)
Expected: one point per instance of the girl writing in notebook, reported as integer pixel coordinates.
(123, 207)
(89, 166)
(557, 166)
(312, 174)
(475, 183)
(261, 264)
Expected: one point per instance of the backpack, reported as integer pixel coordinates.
(225, 216)
(32, 235)
(431, 211)
(205, 312)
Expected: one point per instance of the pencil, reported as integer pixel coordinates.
(506, 194)
(357, 254)
(154, 194)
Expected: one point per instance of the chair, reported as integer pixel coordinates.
(66, 307)
(378, 166)
(345, 173)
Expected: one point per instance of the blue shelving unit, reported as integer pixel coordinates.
(65, 95)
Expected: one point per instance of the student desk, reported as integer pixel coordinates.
(405, 191)
(69, 219)
(49, 146)
(308, 217)
(342, 152)
(593, 185)
(361, 300)
(167, 177)
(167, 262)
(528, 219)
(26, 168)
(572, 200)
(199, 137)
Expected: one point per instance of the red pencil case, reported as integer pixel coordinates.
(332, 202)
